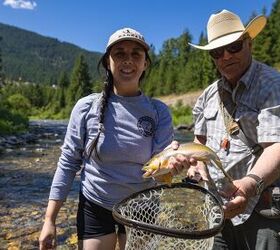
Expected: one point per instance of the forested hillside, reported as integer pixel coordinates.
(28, 56)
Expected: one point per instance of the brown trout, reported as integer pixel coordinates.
(158, 165)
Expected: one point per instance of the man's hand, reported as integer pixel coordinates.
(238, 193)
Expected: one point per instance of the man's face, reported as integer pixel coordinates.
(232, 65)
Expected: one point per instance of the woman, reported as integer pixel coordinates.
(111, 135)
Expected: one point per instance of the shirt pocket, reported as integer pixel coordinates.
(213, 121)
(210, 114)
(215, 127)
(211, 109)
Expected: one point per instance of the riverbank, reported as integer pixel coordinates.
(25, 179)
(38, 130)
(26, 173)
(25, 182)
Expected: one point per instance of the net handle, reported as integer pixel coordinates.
(164, 231)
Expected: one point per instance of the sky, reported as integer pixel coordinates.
(89, 23)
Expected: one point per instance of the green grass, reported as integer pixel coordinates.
(181, 114)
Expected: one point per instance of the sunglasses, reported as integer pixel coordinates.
(232, 48)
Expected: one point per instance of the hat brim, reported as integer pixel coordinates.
(145, 45)
(253, 29)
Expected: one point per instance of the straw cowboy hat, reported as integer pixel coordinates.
(226, 27)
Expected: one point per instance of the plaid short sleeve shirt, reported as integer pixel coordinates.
(258, 113)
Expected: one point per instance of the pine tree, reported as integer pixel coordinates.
(182, 60)
(63, 83)
(200, 70)
(274, 28)
(1, 67)
(150, 82)
(80, 84)
(262, 43)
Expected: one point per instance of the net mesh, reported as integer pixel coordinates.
(176, 217)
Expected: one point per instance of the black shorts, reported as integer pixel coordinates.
(94, 221)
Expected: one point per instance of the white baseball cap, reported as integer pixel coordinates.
(127, 34)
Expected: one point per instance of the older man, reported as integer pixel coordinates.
(238, 116)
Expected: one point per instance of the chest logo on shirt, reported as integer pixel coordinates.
(146, 126)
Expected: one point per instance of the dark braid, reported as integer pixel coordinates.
(108, 87)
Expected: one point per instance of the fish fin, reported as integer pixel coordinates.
(163, 164)
(165, 178)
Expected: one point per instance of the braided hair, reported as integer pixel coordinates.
(105, 94)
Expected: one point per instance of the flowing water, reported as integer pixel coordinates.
(25, 179)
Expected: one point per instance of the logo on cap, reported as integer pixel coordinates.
(128, 33)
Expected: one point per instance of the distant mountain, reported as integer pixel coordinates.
(35, 58)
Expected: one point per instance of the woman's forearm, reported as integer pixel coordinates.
(53, 209)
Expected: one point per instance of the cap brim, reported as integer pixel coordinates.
(145, 45)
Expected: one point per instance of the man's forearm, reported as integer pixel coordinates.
(268, 165)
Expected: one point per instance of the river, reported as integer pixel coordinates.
(25, 178)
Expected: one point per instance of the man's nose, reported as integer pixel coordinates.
(227, 55)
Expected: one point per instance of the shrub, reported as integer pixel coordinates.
(12, 122)
(19, 103)
(181, 114)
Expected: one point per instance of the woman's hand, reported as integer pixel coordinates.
(47, 239)
(179, 162)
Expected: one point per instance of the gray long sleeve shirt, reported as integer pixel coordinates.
(135, 129)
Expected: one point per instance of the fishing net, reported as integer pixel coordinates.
(180, 216)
